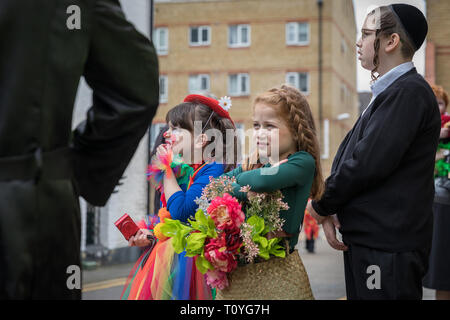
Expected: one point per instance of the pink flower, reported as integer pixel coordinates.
(226, 212)
(217, 254)
(217, 279)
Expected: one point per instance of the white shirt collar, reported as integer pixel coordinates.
(386, 80)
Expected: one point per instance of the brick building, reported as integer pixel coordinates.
(241, 48)
(438, 43)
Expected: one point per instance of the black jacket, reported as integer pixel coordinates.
(381, 186)
(44, 166)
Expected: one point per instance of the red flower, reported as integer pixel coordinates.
(226, 212)
(233, 239)
(217, 254)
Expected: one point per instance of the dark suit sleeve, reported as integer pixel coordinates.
(122, 70)
(390, 132)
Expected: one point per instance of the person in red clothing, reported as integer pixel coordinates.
(442, 98)
(311, 229)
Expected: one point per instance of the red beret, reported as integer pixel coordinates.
(213, 104)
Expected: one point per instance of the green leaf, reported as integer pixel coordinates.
(170, 227)
(261, 241)
(195, 243)
(264, 253)
(257, 223)
(202, 264)
(276, 249)
(177, 231)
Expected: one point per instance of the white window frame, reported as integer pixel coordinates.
(240, 77)
(297, 81)
(164, 98)
(198, 79)
(239, 43)
(200, 40)
(296, 41)
(156, 38)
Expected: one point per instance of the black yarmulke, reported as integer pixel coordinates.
(413, 21)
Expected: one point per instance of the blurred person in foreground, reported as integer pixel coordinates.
(44, 166)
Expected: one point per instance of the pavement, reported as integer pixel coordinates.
(325, 269)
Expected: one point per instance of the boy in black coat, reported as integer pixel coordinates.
(380, 191)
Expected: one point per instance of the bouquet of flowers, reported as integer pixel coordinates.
(219, 236)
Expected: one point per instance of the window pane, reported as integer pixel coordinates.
(303, 82)
(194, 35)
(233, 34)
(162, 87)
(204, 83)
(244, 34)
(291, 32)
(162, 38)
(303, 32)
(292, 80)
(244, 83)
(193, 84)
(205, 35)
(233, 84)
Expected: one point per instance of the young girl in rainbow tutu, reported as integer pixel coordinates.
(181, 171)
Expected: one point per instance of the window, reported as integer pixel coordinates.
(297, 33)
(239, 35)
(239, 84)
(200, 36)
(161, 40)
(300, 80)
(163, 89)
(199, 83)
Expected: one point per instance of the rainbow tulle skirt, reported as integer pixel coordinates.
(162, 274)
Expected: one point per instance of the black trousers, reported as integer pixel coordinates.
(372, 274)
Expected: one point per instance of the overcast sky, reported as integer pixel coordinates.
(361, 9)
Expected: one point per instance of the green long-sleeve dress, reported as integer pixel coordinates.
(293, 178)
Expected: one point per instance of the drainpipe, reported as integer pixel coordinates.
(320, 5)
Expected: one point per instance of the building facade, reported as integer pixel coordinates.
(242, 48)
(438, 43)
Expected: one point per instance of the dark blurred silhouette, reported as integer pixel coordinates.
(44, 166)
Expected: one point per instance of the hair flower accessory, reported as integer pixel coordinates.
(225, 103)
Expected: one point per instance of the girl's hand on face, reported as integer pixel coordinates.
(163, 150)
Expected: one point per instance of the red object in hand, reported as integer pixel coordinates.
(127, 226)
(444, 120)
